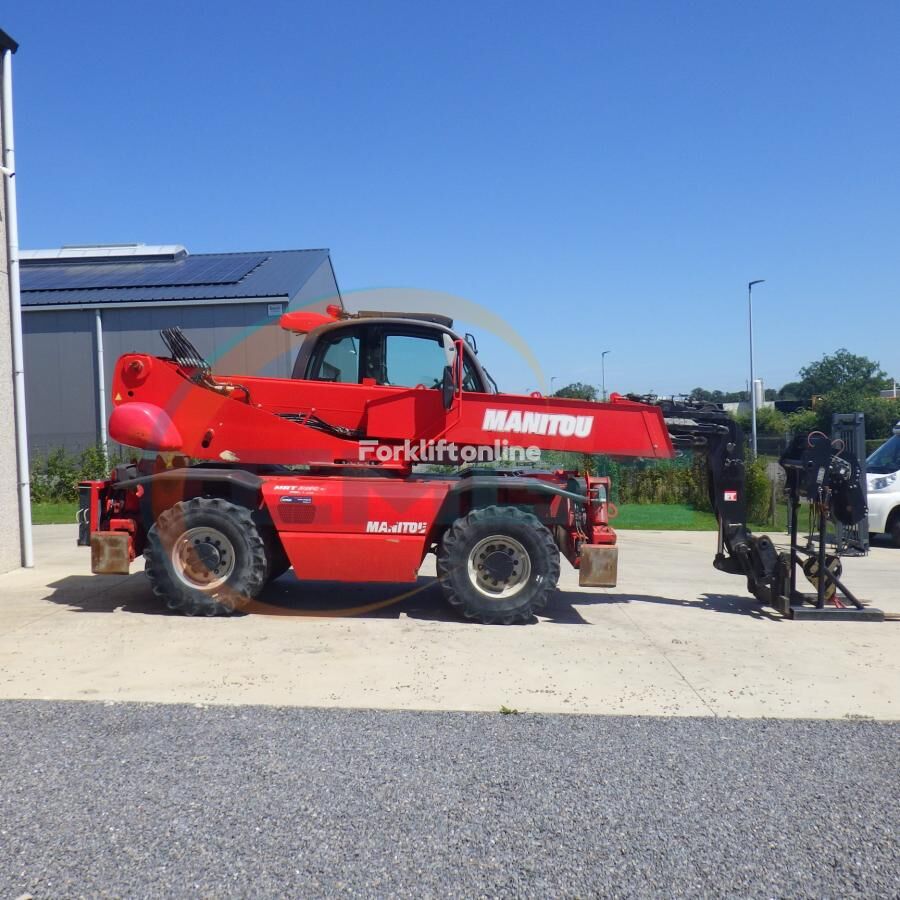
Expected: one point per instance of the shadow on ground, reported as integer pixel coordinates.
(423, 600)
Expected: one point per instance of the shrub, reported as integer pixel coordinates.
(55, 475)
(769, 421)
(759, 491)
(803, 421)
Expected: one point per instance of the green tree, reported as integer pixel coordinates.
(881, 413)
(794, 390)
(577, 391)
(717, 396)
(845, 371)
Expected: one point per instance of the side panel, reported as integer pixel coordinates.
(354, 529)
(353, 557)
(217, 426)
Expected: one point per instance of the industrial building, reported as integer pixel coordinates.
(85, 306)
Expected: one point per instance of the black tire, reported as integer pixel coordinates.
(492, 589)
(893, 528)
(227, 571)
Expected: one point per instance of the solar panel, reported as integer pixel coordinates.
(192, 270)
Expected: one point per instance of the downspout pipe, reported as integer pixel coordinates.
(101, 381)
(15, 307)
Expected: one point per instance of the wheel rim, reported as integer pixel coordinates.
(499, 567)
(203, 558)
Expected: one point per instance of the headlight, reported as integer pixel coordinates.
(879, 484)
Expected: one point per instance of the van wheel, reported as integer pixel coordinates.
(893, 528)
(206, 557)
(498, 565)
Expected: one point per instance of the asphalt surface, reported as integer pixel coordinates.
(139, 800)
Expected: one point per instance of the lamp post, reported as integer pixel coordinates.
(603, 373)
(752, 380)
(552, 379)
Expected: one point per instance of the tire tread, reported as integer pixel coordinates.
(467, 602)
(193, 602)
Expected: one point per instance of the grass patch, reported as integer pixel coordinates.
(646, 516)
(663, 517)
(682, 517)
(50, 513)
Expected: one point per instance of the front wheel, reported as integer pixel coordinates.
(893, 528)
(498, 565)
(206, 557)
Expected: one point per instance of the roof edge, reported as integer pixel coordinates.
(7, 43)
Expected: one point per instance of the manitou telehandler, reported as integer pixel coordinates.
(244, 477)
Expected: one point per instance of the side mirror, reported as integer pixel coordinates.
(448, 388)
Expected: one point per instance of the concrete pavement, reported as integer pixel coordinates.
(675, 638)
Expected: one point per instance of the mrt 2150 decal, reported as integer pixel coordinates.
(516, 422)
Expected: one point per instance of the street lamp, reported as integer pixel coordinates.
(552, 379)
(603, 372)
(752, 380)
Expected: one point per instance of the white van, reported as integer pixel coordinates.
(883, 481)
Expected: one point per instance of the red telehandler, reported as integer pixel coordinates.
(244, 477)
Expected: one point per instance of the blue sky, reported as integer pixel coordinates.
(601, 176)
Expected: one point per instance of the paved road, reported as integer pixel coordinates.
(135, 800)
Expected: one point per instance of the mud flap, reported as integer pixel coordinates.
(599, 565)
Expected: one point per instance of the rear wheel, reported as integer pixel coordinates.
(206, 557)
(498, 565)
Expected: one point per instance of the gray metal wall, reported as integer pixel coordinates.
(60, 384)
(235, 338)
(61, 358)
(61, 353)
(319, 290)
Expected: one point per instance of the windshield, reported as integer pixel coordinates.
(886, 458)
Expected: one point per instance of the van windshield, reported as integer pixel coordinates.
(886, 458)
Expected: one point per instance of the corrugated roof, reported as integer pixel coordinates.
(274, 273)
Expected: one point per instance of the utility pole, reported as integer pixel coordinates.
(14, 444)
(603, 373)
(752, 379)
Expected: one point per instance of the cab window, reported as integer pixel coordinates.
(336, 359)
(410, 360)
(471, 381)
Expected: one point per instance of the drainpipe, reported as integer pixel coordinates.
(15, 311)
(101, 380)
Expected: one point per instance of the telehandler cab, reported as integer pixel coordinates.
(244, 477)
